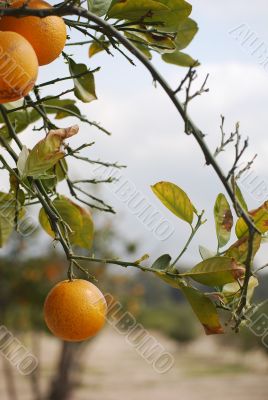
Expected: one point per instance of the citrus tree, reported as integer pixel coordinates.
(34, 33)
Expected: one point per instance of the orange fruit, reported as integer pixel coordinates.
(18, 67)
(75, 310)
(46, 35)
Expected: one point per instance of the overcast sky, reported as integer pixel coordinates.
(148, 133)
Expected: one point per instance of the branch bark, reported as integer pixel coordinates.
(66, 9)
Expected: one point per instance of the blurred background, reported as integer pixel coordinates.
(148, 138)
(232, 366)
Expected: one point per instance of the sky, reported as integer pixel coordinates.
(148, 133)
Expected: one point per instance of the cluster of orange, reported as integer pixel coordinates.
(25, 44)
(74, 310)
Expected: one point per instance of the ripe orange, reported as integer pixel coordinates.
(18, 67)
(75, 310)
(46, 35)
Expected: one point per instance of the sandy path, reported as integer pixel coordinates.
(120, 373)
(113, 370)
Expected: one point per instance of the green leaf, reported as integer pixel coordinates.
(68, 212)
(20, 196)
(61, 170)
(240, 198)
(20, 120)
(78, 219)
(135, 9)
(62, 108)
(162, 263)
(178, 11)
(46, 153)
(14, 183)
(143, 49)
(158, 42)
(168, 13)
(7, 216)
(22, 160)
(239, 250)
(206, 253)
(223, 220)
(187, 30)
(204, 309)
(216, 271)
(59, 173)
(179, 58)
(99, 7)
(85, 85)
(175, 199)
(260, 220)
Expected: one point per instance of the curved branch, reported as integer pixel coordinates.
(112, 31)
(190, 127)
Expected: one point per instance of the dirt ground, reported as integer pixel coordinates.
(113, 370)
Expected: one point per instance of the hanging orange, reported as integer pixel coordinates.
(46, 35)
(75, 310)
(18, 67)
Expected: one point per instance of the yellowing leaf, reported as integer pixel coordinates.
(232, 291)
(216, 271)
(68, 212)
(175, 199)
(260, 220)
(180, 59)
(204, 309)
(240, 197)
(186, 31)
(7, 216)
(173, 281)
(85, 235)
(239, 250)
(202, 305)
(223, 220)
(78, 220)
(97, 47)
(9, 207)
(45, 153)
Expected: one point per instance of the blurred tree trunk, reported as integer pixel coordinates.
(35, 375)
(7, 367)
(66, 377)
(10, 381)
